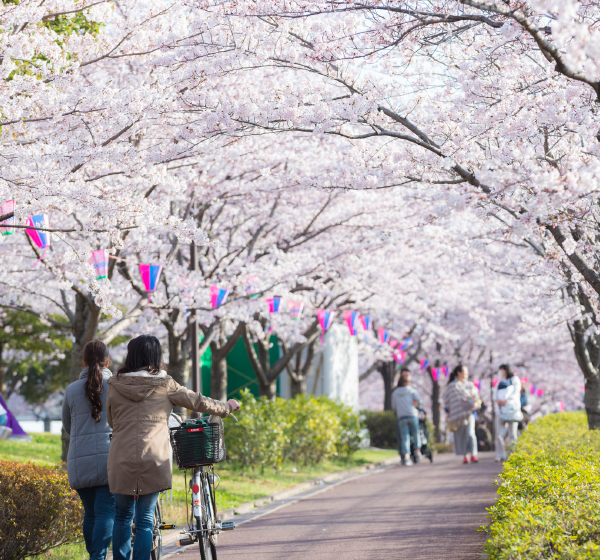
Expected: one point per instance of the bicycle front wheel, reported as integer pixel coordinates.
(207, 520)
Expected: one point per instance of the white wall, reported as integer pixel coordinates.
(335, 370)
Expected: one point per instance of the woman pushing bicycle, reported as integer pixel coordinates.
(139, 401)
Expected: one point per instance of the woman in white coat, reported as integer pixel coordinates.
(507, 404)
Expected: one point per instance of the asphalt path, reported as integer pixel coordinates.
(425, 512)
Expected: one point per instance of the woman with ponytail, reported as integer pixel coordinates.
(84, 419)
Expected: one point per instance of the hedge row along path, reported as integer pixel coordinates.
(429, 511)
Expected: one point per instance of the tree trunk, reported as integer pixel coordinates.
(268, 390)
(179, 366)
(297, 386)
(218, 379)
(388, 372)
(2, 373)
(592, 403)
(436, 411)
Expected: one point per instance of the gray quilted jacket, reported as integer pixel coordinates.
(90, 440)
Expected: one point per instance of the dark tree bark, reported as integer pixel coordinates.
(220, 347)
(388, 373)
(299, 370)
(436, 406)
(267, 373)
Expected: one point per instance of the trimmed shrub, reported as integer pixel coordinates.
(549, 492)
(38, 510)
(304, 430)
(382, 428)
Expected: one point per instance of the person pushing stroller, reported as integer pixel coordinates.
(406, 403)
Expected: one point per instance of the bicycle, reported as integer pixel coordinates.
(197, 445)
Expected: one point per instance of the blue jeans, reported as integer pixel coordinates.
(144, 521)
(98, 518)
(408, 426)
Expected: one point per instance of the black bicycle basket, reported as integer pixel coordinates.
(198, 442)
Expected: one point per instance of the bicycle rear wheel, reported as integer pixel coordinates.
(156, 552)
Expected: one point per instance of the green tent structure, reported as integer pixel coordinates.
(240, 375)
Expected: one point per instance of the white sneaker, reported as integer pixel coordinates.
(408, 463)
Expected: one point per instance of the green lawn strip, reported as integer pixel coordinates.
(44, 449)
(71, 551)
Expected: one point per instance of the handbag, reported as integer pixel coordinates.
(510, 412)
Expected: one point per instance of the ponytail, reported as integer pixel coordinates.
(95, 355)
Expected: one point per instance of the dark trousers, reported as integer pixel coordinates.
(143, 508)
(98, 519)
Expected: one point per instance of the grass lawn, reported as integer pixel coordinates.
(237, 485)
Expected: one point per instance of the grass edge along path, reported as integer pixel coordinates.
(548, 494)
(238, 486)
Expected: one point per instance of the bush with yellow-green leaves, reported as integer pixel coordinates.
(304, 430)
(549, 495)
(38, 510)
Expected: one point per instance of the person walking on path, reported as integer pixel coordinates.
(462, 399)
(405, 402)
(507, 403)
(84, 419)
(140, 399)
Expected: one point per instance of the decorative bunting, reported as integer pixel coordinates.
(424, 364)
(274, 304)
(7, 208)
(99, 260)
(41, 239)
(532, 389)
(295, 308)
(350, 318)
(399, 356)
(250, 287)
(394, 343)
(325, 320)
(406, 343)
(217, 296)
(383, 335)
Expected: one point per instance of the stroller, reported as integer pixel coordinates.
(424, 437)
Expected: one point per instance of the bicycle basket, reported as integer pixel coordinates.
(198, 442)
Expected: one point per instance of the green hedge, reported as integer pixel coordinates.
(549, 498)
(382, 428)
(303, 430)
(38, 510)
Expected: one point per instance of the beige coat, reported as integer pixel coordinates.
(138, 408)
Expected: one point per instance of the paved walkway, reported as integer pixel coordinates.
(425, 512)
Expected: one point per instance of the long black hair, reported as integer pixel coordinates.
(95, 356)
(455, 372)
(143, 353)
(508, 370)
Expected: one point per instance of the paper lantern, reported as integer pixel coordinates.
(394, 343)
(445, 370)
(560, 406)
(495, 382)
(7, 208)
(274, 304)
(350, 318)
(434, 373)
(540, 392)
(325, 320)
(150, 274)
(99, 260)
(532, 389)
(295, 308)
(365, 321)
(399, 356)
(405, 343)
(217, 296)
(424, 364)
(477, 384)
(251, 287)
(41, 239)
(524, 379)
(383, 335)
